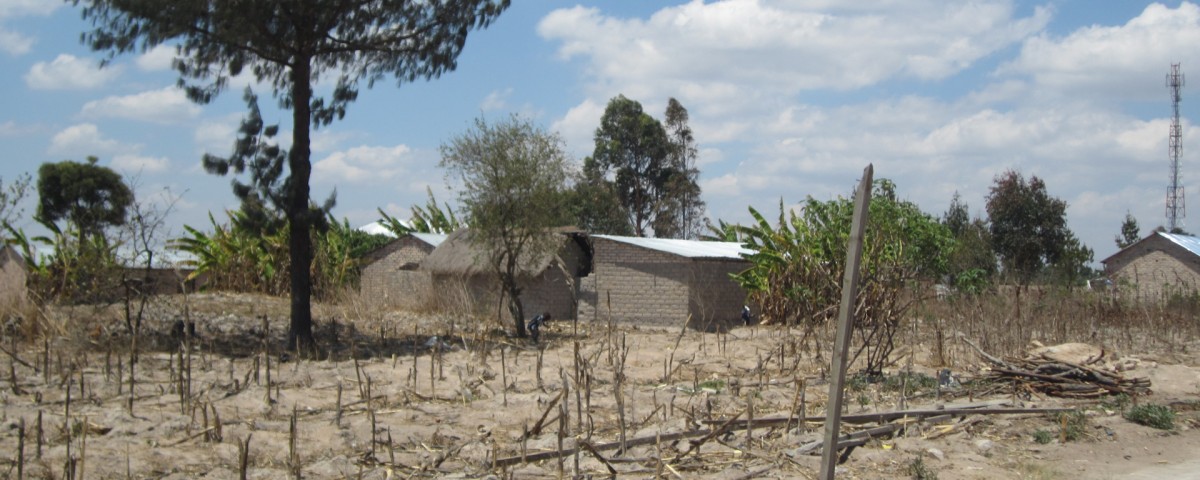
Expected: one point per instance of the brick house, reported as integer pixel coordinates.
(656, 281)
(1158, 267)
(391, 274)
(464, 282)
(12, 279)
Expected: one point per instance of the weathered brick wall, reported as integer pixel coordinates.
(12, 280)
(716, 300)
(391, 279)
(1155, 270)
(645, 286)
(552, 292)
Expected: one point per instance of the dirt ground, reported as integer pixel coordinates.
(434, 395)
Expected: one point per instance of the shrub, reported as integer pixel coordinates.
(1153, 416)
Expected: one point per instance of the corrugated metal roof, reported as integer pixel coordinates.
(1188, 242)
(685, 248)
(434, 239)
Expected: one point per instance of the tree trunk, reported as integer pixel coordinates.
(300, 334)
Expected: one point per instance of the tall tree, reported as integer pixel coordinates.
(514, 183)
(683, 210)
(634, 146)
(1028, 225)
(10, 203)
(972, 261)
(289, 44)
(1130, 232)
(595, 204)
(88, 196)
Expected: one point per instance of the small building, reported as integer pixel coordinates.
(663, 282)
(392, 274)
(464, 282)
(1157, 268)
(13, 294)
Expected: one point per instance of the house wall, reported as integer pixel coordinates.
(13, 294)
(1155, 270)
(392, 278)
(645, 286)
(715, 301)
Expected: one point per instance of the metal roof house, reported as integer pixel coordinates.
(663, 282)
(1158, 267)
(391, 274)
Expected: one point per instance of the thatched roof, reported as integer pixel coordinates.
(459, 256)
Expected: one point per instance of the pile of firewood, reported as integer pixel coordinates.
(1055, 376)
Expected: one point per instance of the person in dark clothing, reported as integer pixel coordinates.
(536, 324)
(746, 315)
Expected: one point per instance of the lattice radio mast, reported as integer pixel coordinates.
(1176, 209)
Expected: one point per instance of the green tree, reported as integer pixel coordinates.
(682, 210)
(595, 204)
(289, 45)
(431, 218)
(634, 146)
(798, 263)
(1029, 227)
(11, 196)
(1130, 232)
(88, 196)
(514, 183)
(972, 263)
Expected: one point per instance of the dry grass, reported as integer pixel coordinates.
(387, 398)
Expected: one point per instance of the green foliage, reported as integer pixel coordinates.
(1130, 232)
(920, 471)
(1153, 416)
(909, 383)
(289, 45)
(1118, 402)
(1072, 425)
(655, 175)
(10, 202)
(1029, 230)
(595, 204)
(1043, 437)
(796, 270)
(514, 189)
(428, 219)
(721, 232)
(972, 263)
(88, 196)
(79, 269)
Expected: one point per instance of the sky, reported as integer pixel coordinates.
(787, 100)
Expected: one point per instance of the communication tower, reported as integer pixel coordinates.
(1176, 209)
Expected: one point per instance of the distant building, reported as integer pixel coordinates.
(392, 274)
(663, 282)
(462, 279)
(13, 294)
(1157, 268)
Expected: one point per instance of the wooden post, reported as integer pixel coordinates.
(837, 371)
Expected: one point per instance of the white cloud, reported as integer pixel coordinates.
(1125, 61)
(217, 136)
(134, 164)
(82, 140)
(157, 59)
(363, 164)
(497, 100)
(68, 72)
(741, 48)
(166, 105)
(16, 8)
(14, 43)
(578, 127)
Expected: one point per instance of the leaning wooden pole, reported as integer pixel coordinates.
(837, 371)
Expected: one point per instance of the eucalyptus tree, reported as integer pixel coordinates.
(289, 45)
(514, 183)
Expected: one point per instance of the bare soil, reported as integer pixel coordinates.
(402, 394)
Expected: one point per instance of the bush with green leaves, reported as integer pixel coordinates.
(796, 271)
(1153, 416)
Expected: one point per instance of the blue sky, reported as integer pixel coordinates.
(787, 100)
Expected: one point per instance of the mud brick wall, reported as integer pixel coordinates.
(1155, 270)
(651, 287)
(391, 277)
